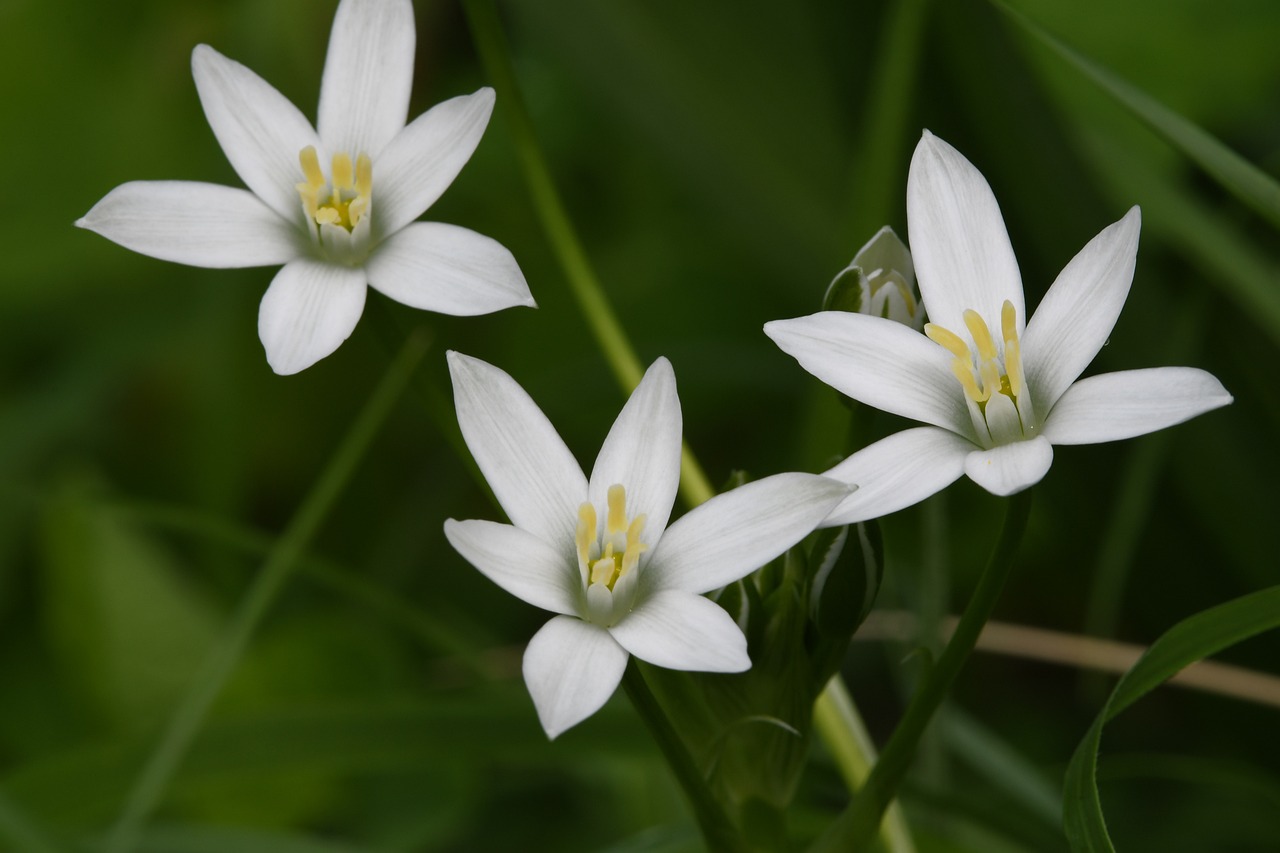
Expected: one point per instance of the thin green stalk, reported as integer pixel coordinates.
(840, 725)
(491, 42)
(856, 826)
(230, 647)
(717, 830)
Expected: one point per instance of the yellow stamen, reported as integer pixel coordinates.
(586, 534)
(964, 372)
(311, 166)
(948, 339)
(341, 174)
(617, 518)
(364, 175)
(981, 335)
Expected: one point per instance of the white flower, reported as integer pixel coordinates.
(599, 552)
(336, 206)
(998, 393)
(885, 281)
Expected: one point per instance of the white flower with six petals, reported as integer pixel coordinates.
(334, 204)
(996, 391)
(599, 553)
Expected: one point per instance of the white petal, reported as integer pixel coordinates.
(642, 452)
(679, 630)
(519, 562)
(885, 251)
(878, 362)
(259, 130)
(364, 94)
(1078, 313)
(739, 531)
(958, 240)
(418, 165)
(1009, 468)
(1120, 405)
(898, 472)
(532, 473)
(571, 668)
(201, 225)
(447, 269)
(308, 311)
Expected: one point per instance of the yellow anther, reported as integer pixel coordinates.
(311, 167)
(364, 176)
(964, 372)
(991, 379)
(342, 174)
(586, 533)
(616, 522)
(1013, 366)
(605, 569)
(1008, 322)
(981, 335)
(948, 339)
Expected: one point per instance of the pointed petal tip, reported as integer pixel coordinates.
(83, 222)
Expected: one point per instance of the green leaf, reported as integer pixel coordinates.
(1238, 176)
(1192, 639)
(123, 621)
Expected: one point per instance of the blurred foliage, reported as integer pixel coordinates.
(712, 156)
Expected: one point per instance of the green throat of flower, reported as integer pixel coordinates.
(994, 385)
(338, 208)
(608, 560)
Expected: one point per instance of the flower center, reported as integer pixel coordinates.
(342, 202)
(992, 378)
(608, 560)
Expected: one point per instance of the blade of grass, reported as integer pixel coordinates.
(1238, 176)
(188, 717)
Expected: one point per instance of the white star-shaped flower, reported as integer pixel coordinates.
(599, 553)
(998, 392)
(334, 204)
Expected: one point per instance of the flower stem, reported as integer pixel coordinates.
(858, 823)
(491, 42)
(718, 831)
(231, 645)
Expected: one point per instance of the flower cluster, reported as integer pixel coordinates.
(336, 205)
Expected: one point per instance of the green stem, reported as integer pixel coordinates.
(840, 725)
(491, 42)
(855, 827)
(231, 645)
(718, 831)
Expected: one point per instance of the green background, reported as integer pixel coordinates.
(721, 161)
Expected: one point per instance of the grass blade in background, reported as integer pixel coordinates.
(1194, 638)
(1238, 176)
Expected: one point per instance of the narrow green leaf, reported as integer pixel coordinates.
(1192, 639)
(1238, 176)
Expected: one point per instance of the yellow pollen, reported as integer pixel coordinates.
(344, 200)
(948, 339)
(981, 335)
(621, 548)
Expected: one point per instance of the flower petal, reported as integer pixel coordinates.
(201, 225)
(642, 452)
(1009, 468)
(898, 472)
(259, 130)
(739, 531)
(447, 269)
(1120, 405)
(878, 362)
(571, 669)
(958, 240)
(532, 473)
(368, 72)
(679, 630)
(417, 166)
(1078, 313)
(307, 312)
(519, 562)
